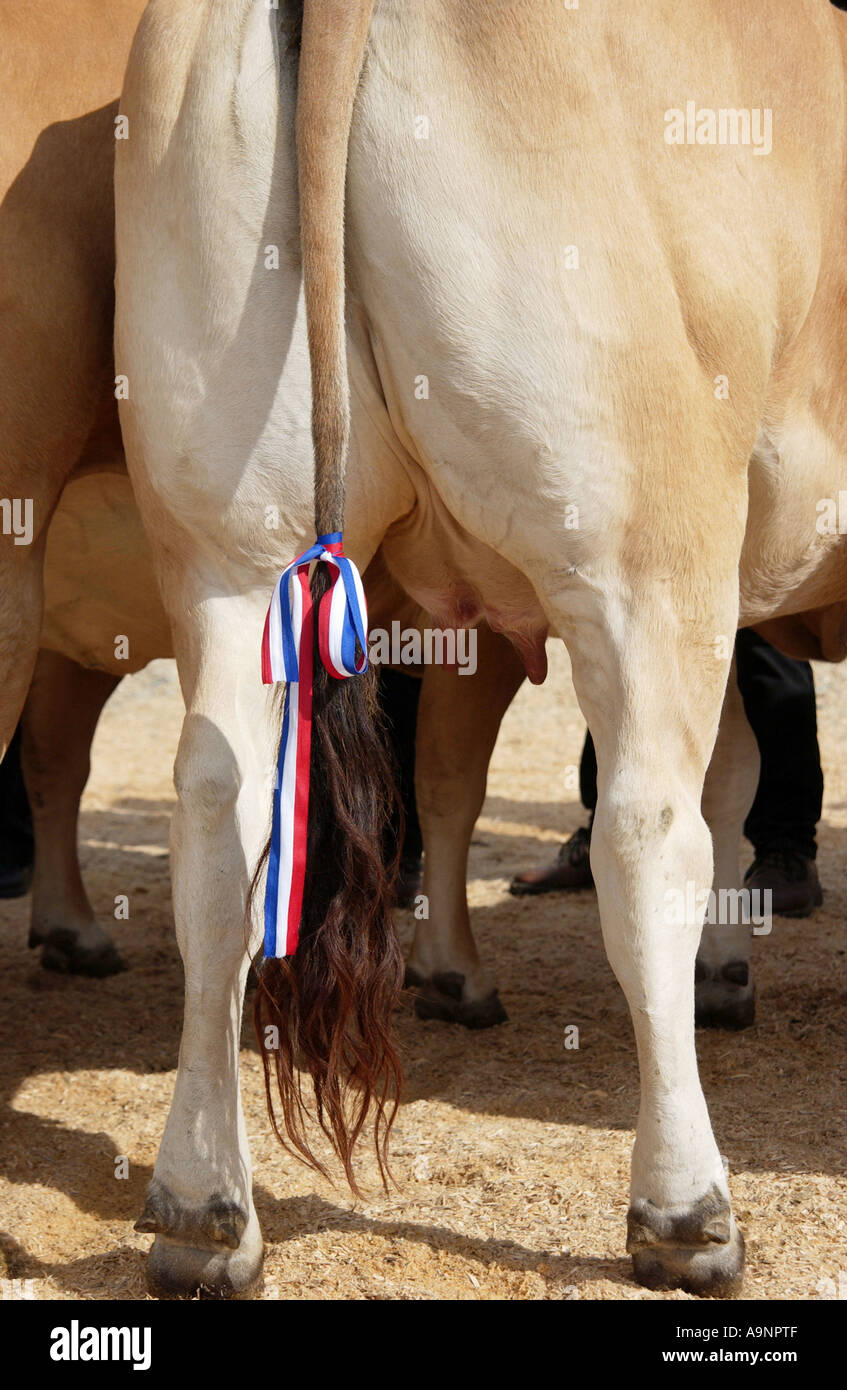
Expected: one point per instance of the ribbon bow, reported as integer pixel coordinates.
(287, 655)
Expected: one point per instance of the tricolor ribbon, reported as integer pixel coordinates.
(287, 655)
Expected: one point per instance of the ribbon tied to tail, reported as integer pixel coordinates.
(288, 655)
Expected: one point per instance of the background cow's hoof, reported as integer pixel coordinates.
(441, 998)
(186, 1271)
(725, 998)
(700, 1250)
(70, 952)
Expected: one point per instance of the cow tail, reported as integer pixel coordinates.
(331, 1002)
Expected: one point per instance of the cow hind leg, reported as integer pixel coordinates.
(650, 684)
(724, 993)
(458, 721)
(199, 1203)
(60, 716)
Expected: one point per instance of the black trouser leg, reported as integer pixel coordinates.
(16, 842)
(588, 775)
(399, 696)
(779, 700)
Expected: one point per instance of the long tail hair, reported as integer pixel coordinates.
(332, 1001)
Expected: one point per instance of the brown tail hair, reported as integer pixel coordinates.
(332, 1001)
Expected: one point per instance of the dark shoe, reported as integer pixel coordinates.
(409, 882)
(571, 870)
(792, 880)
(15, 881)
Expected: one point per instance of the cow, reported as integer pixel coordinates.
(102, 620)
(612, 312)
(96, 560)
(74, 566)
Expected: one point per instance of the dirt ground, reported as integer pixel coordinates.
(511, 1152)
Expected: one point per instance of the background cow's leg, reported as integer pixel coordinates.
(21, 592)
(61, 712)
(458, 721)
(650, 681)
(724, 990)
(200, 1202)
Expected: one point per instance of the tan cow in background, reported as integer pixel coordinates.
(61, 456)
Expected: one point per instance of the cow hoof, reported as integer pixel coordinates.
(726, 999)
(214, 1251)
(64, 953)
(188, 1271)
(441, 998)
(700, 1250)
(218, 1222)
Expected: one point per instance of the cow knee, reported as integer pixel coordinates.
(647, 851)
(633, 830)
(207, 776)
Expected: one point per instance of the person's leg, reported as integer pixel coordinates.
(16, 836)
(588, 776)
(779, 700)
(571, 868)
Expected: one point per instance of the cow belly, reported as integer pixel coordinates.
(102, 606)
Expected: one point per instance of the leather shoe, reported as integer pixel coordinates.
(792, 879)
(571, 871)
(15, 881)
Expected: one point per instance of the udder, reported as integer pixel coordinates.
(461, 582)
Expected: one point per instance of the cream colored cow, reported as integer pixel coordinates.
(550, 305)
(56, 158)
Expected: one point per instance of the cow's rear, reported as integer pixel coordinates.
(604, 288)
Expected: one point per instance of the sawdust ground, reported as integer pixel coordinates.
(511, 1151)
